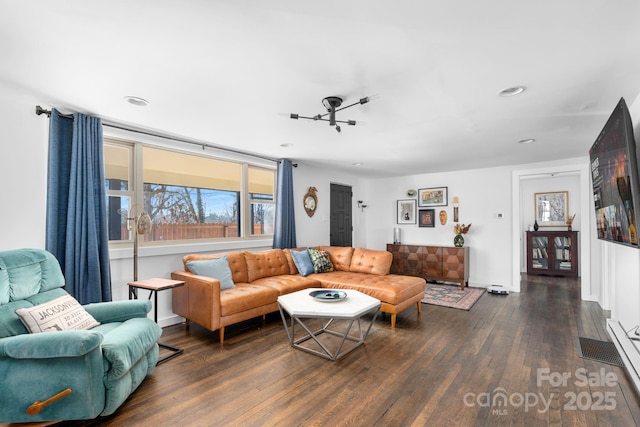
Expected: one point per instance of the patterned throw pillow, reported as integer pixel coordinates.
(61, 314)
(320, 260)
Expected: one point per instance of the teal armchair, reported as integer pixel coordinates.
(71, 374)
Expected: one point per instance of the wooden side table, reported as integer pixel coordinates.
(154, 286)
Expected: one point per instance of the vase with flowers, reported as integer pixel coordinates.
(460, 229)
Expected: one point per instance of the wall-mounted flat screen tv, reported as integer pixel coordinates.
(614, 176)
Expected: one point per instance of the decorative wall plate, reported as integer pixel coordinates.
(411, 193)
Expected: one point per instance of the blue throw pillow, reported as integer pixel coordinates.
(303, 262)
(217, 268)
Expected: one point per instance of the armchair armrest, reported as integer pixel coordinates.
(118, 311)
(36, 367)
(48, 345)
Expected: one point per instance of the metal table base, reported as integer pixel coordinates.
(154, 286)
(357, 340)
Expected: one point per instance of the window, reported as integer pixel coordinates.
(187, 196)
(117, 170)
(261, 199)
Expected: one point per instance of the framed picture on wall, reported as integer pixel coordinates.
(427, 218)
(406, 210)
(437, 196)
(552, 208)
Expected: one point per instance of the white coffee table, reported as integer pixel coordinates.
(304, 309)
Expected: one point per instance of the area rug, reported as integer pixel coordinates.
(452, 296)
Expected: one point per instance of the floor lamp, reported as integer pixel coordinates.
(141, 226)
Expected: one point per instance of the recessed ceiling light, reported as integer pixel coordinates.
(511, 91)
(137, 101)
(286, 144)
(356, 164)
(527, 141)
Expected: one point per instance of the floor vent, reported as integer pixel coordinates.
(601, 351)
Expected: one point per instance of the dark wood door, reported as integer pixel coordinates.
(340, 226)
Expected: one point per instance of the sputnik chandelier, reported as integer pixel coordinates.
(332, 104)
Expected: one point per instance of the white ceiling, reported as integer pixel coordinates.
(230, 73)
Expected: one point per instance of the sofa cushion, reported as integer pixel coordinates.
(293, 269)
(61, 314)
(370, 261)
(289, 283)
(303, 262)
(320, 260)
(237, 264)
(340, 256)
(391, 288)
(217, 268)
(266, 264)
(244, 297)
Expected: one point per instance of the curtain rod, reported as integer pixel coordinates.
(40, 111)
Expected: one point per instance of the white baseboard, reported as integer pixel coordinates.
(170, 321)
(629, 350)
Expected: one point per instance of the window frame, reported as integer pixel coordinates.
(136, 192)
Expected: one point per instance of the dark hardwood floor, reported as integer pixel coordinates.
(498, 364)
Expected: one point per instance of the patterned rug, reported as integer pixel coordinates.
(452, 296)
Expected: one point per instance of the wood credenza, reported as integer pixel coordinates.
(440, 263)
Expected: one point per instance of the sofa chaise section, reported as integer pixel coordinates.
(367, 271)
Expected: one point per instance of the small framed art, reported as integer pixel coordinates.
(552, 208)
(437, 196)
(427, 218)
(406, 211)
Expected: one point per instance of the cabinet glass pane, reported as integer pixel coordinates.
(540, 252)
(563, 253)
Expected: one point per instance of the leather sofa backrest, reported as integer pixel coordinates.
(340, 256)
(237, 264)
(266, 264)
(370, 261)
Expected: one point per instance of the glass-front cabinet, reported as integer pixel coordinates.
(552, 253)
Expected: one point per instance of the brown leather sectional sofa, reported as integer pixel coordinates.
(260, 277)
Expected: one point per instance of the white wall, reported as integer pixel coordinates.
(313, 231)
(23, 171)
(483, 193)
